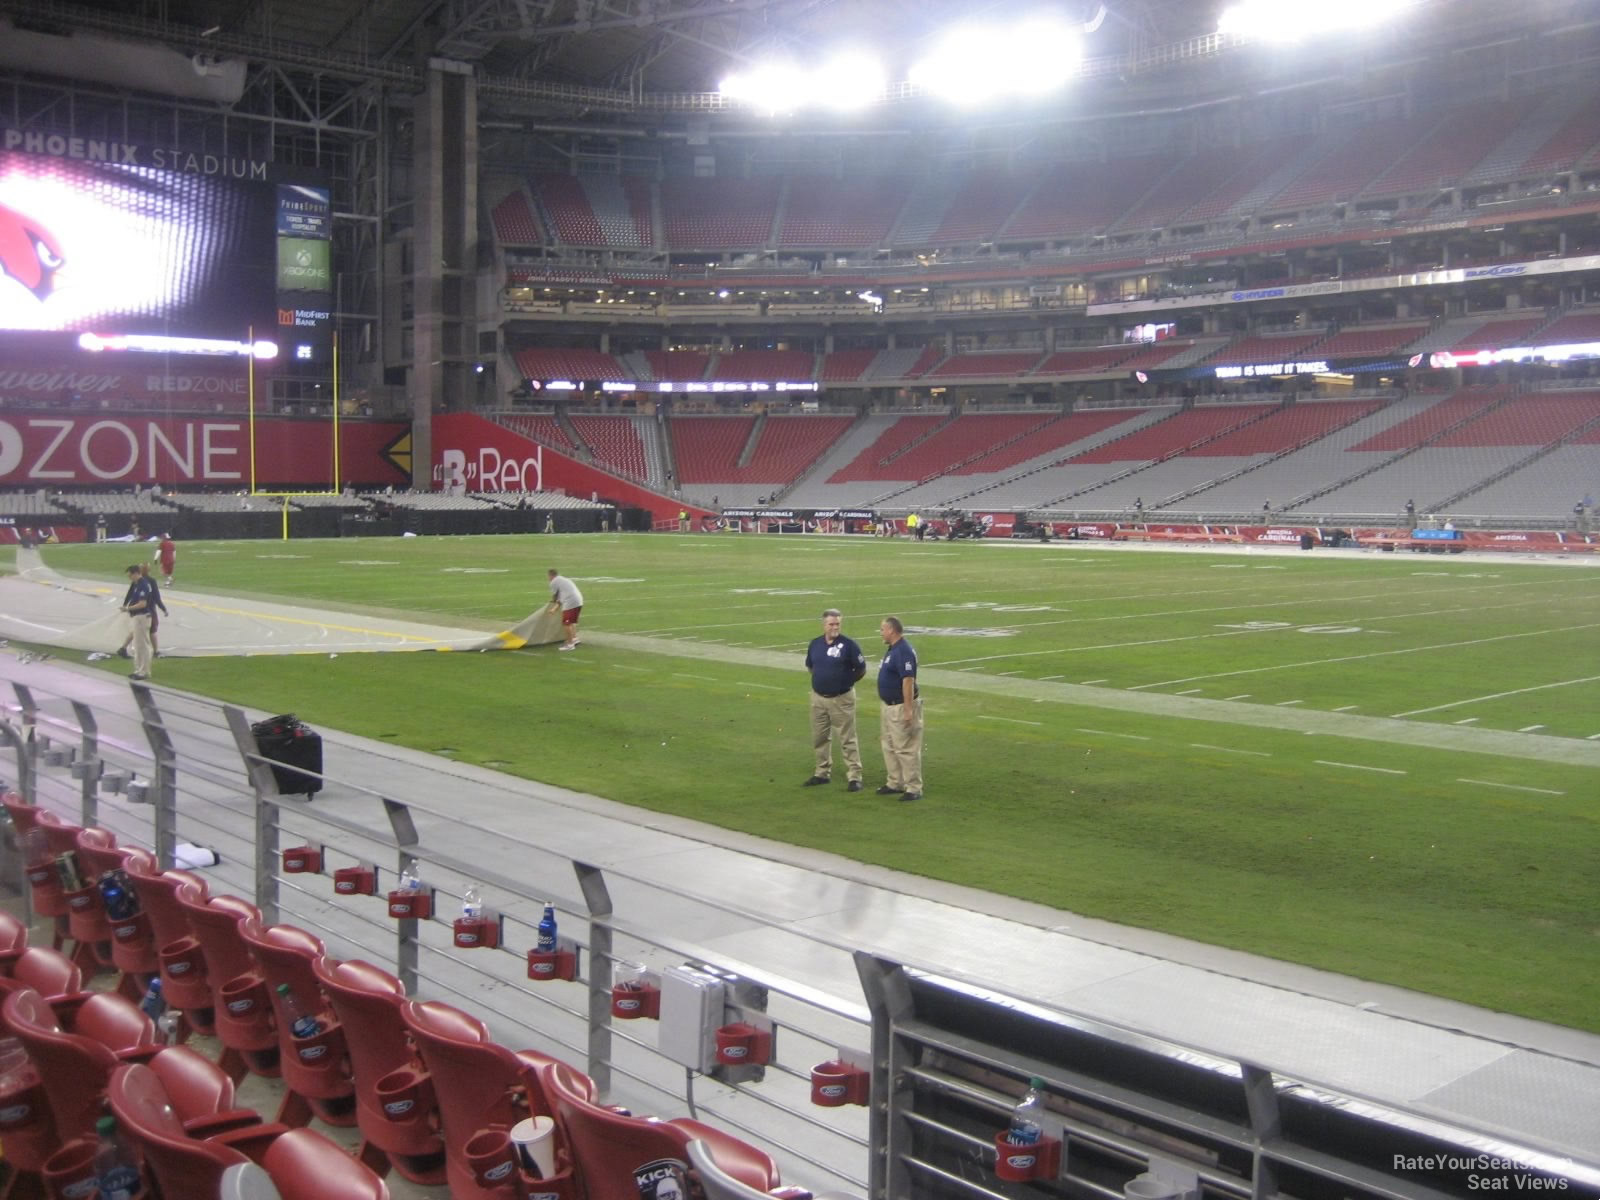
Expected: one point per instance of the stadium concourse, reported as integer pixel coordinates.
(39, 605)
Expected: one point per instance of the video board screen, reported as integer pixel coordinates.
(90, 246)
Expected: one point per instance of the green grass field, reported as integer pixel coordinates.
(1342, 811)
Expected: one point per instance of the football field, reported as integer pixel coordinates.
(1386, 765)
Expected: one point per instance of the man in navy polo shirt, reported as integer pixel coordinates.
(139, 604)
(835, 663)
(900, 725)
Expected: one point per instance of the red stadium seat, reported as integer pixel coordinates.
(13, 940)
(185, 988)
(480, 1085)
(319, 1086)
(239, 994)
(610, 1146)
(367, 1002)
(303, 1164)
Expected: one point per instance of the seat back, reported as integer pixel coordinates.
(74, 1069)
(367, 1001)
(48, 972)
(169, 925)
(616, 1156)
(44, 884)
(98, 851)
(180, 1165)
(714, 1181)
(215, 922)
(283, 954)
(13, 941)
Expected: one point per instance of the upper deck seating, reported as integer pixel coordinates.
(1055, 433)
(1195, 176)
(1267, 348)
(1535, 419)
(621, 208)
(568, 363)
(1083, 362)
(788, 444)
(541, 427)
(841, 213)
(1178, 431)
(1079, 198)
(1451, 150)
(708, 448)
(1567, 145)
(765, 365)
(1356, 342)
(1253, 173)
(1287, 428)
(1499, 335)
(871, 463)
(677, 366)
(514, 222)
(1003, 363)
(1448, 411)
(979, 207)
(718, 214)
(1353, 162)
(572, 218)
(846, 366)
(966, 436)
(615, 442)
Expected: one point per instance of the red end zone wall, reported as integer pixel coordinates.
(490, 458)
(51, 449)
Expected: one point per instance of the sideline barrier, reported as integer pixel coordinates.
(947, 1054)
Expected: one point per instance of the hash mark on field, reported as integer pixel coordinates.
(767, 686)
(1512, 787)
(1322, 762)
(1345, 708)
(1530, 728)
(622, 667)
(1137, 737)
(1593, 737)
(1240, 696)
(1189, 692)
(1047, 678)
(702, 678)
(1230, 750)
(1467, 721)
(1003, 674)
(1288, 703)
(1087, 682)
(1011, 720)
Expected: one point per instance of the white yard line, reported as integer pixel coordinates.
(1008, 720)
(1467, 721)
(1134, 737)
(1322, 762)
(1189, 692)
(1230, 750)
(1499, 695)
(1346, 707)
(750, 683)
(1530, 729)
(1512, 787)
(1288, 703)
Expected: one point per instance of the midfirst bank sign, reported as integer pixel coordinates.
(131, 154)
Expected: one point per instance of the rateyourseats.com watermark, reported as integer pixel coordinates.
(1483, 1172)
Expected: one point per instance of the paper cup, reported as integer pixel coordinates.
(535, 1142)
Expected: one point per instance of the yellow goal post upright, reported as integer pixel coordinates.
(283, 497)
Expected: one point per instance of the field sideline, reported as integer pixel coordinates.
(1382, 765)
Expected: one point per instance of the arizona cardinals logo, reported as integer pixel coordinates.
(29, 253)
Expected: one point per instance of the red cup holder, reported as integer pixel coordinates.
(743, 1045)
(302, 860)
(474, 933)
(492, 1161)
(355, 881)
(183, 961)
(69, 1172)
(22, 1101)
(405, 1095)
(547, 965)
(1019, 1164)
(245, 998)
(408, 905)
(634, 1000)
(322, 1048)
(835, 1084)
(132, 932)
(84, 900)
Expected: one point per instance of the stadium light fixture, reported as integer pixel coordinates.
(1299, 20)
(847, 82)
(973, 66)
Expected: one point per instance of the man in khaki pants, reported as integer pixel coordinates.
(900, 726)
(835, 663)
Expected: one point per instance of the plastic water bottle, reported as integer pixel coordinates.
(410, 881)
(154, 1003)
(1026, 1118)
(547, 931)
(115, 1173)
(472, 903)
(167, 1027)
(302, 1022)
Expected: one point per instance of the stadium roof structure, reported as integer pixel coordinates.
(648, 58)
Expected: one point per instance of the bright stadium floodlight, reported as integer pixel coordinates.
(848, 82)
(972, 66)
(844, 83)
(1297, 20)
(772, 88)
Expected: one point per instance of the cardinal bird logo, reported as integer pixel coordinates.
(29, 253)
